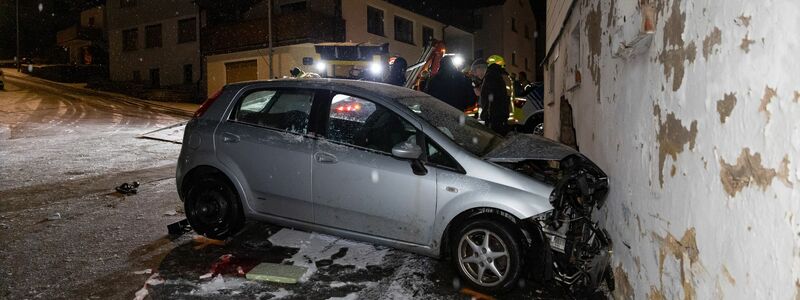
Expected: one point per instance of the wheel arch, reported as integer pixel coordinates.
(491, 213)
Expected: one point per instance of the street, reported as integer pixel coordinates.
(68, 234)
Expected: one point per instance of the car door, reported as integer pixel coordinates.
(266, 139)
(359, 186)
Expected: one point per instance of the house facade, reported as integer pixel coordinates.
(691, 109)
(508, 30)
(158, 47)
(239, 51)
(86, 42)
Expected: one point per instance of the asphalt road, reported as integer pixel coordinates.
(66, 234)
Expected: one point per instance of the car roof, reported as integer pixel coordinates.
(366, 88)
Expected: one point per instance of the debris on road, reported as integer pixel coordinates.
(276, 273)
(230, 265)
(128, 189)
(54, 216)
(142, 293)
(204, 241)
(142, 272)
(170, 212)
(172, 133)
(179, 228)
(475, 295)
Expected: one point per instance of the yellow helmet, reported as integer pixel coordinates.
(496, 59)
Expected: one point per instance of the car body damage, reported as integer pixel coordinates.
(566, 243)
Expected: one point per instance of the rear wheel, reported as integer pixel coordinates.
(486, 254)
(213, 208)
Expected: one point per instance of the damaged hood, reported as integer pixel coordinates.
(528, 146)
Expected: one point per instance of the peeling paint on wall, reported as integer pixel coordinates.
(725, 106)
(796, 96)
(743, 20)
(746, 42)
(712, 39)
(747, 170)
(728, 275)
(674, 53)
(769, 93)
(623, 290)
(594, 32)
(655, 294)
(783, 172)
(686, 247)
(672, 136)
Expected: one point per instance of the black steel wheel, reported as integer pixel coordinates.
(213, 208)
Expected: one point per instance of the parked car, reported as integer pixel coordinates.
(393, 166)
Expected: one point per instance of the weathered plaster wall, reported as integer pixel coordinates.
(700, 135)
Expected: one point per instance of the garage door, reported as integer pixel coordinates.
(241, 71)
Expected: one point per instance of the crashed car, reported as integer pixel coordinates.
(402, 169)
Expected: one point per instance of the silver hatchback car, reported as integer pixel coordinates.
(393, 166)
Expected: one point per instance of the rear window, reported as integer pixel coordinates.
(286, 110)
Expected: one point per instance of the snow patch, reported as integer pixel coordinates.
(219, 283)
(351, 296)
(313, 247)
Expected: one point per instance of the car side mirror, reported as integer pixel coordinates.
(407, 150)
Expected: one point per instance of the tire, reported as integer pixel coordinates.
(534, 124)
(469, 262)
(213, 208)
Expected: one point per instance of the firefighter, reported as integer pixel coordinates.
(451, 86)
(495, 99)
(397, 71)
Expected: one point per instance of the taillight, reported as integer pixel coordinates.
(206, 104)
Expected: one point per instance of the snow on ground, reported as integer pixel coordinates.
(315, 246)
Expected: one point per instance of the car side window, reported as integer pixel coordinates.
(362, 123)
(437, 155)
(279, 109)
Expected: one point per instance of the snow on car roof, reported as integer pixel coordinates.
(365, 87)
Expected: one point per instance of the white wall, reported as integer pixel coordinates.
(700, 137)
(284, 59)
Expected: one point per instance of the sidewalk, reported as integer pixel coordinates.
(181, 107)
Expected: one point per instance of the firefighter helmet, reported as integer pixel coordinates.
(496, 59)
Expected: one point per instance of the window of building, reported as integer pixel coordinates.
(527, 66)
(427, 35)
(477, 20)
(187, 30)
(403, 30)
(527, 32)
(290, 7)
(479, 53)
(91, 22)
(514, 58)
(152, 36)
(513, 24)
(375, 21)
(127, 3)
(155, 78)
(188, 74)
(130, 39)
(137, 76)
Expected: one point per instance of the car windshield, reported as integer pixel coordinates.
(465, 131)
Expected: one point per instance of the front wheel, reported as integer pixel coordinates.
(487, 255)
(213, 208)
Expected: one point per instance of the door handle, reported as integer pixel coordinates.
(230, 138)
(325, 158)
